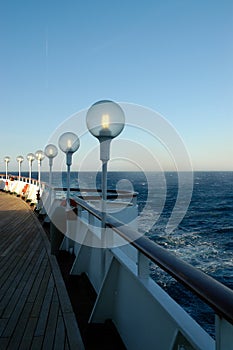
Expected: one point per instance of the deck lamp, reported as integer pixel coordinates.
(6, 160)
(19, 160)
(105, 120)
(51, 152)
(68, 143)
(39, 156)
(30, 158)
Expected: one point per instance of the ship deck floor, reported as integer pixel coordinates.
(35, 309)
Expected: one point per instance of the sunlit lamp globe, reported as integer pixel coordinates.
(39, 155)
(51, 151)
(7, 159)
(68, 142)
(20, 159)
(30, 157)
(105, 120)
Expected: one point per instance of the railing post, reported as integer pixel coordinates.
(143, 266)
(57, 230)
(91, 219)
(224, 334)
(79, 211)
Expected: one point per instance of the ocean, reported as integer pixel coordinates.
(203, 238)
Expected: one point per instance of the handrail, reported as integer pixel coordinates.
(23, 178)
(112, 194)
(215, 294)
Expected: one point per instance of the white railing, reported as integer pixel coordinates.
(23, 187)
(144, 314)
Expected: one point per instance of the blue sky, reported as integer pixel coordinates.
(175, 57)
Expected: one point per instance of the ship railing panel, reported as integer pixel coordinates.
(120, 274)
(14, 185)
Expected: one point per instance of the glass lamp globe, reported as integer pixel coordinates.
(39, 155)
(105, 120)
(30, 157)
(69, 142)
(51, 151)
(7, 159)
(20, 159)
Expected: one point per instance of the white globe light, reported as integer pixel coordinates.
(7, 159)
(105, 119)
(20, 159)
(69, 142)
(51, 151)
(39, 155)
(30, 157)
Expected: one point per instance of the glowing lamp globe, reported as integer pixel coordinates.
(30, 157)
(68, 142)
(39, 155)
(51, 151)
(6, 160)
(105, 120)
(20, 159)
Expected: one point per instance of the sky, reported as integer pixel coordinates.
(174, 57)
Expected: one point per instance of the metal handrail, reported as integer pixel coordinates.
(112, 194)
(215, 294)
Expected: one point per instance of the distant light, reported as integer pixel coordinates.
(20, 159)
(7, 159)
(39, 155)
(30, 157)
(69, 142)
(51, 151)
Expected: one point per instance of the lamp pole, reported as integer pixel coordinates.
(105, 120)
(20, 160)
(39, 156)
(30, 158)
(7, 159)
(68, 143)
(50, 152)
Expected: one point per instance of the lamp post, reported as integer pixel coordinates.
(68, 143)
(19, 160)
(50, 152)
(6, 160)
(39, 156)
(30, 158)
(105, 120)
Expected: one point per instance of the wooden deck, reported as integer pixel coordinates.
(35, 310)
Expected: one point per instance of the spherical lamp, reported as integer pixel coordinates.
(39, 156)
(105, 120)
(68, 143)
(7, 160)
(19, 160)
(30, 158)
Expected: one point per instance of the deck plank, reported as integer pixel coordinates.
(27, 338)
(35, 310)
(60, 335)
(52, 323)
(17, 304)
